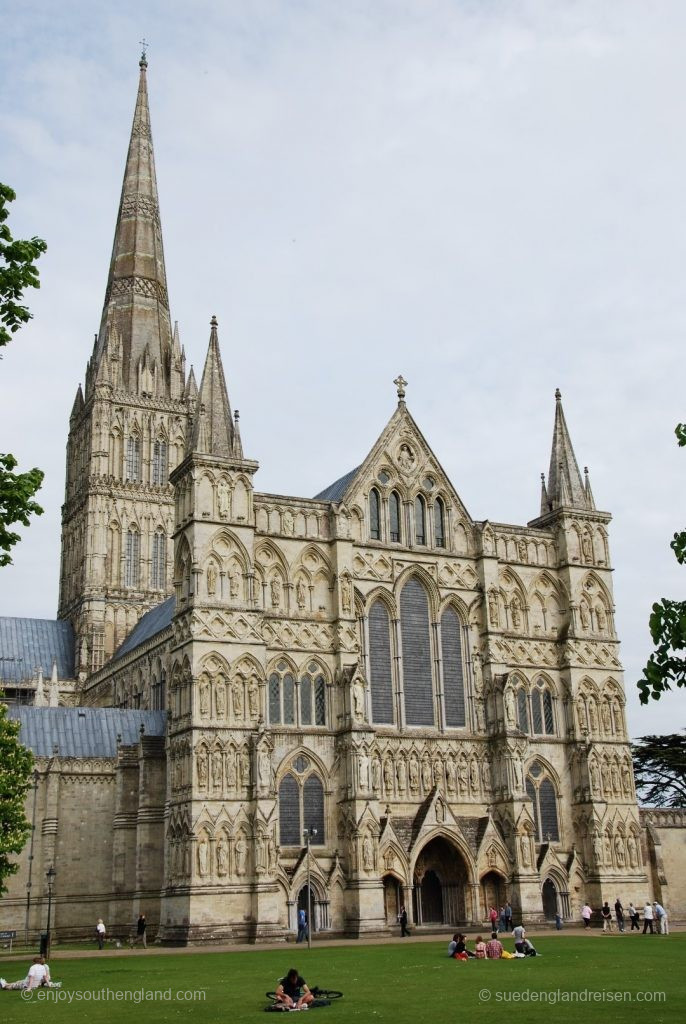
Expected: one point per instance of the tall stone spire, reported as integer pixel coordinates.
(136, 302)
(213, 431)
(565, 486)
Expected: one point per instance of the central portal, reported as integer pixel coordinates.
(440, 879)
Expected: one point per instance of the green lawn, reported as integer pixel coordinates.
(409, 981)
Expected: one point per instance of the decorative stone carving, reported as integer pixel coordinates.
(401, 775)
(388, 776)
(632, 851)
(367, 853)
(358, 699)
(300, 593)
(203, 857)
(220, 698)
(241, 855)
(493, 613)
(211, 579)
(223, 499)
(345, 595)
(253, 698)
(510, 710)
(363, 771)
(222, 856)
(275, 591)
(201, 762)
(414, 775)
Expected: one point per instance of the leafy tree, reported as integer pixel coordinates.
(660, 770)
(17, 272)
(16, 768)
(667, 663)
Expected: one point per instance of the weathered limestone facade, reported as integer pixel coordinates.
(441, 699)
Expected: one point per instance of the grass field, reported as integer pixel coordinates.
(410, 981)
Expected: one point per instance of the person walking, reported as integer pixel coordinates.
(648, 918)
(619, 914)
(100, 933)
(302, 926)
(661, 917)
(141, 925)
(508, 917)
(493, 918)
(633, 916)
(402, 920)
(586, 914)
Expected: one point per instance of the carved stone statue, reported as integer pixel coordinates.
(616, 784)
(201, 762)
(271, 852)
(211, 579)
(525, 849)
(521, 551)
(438, 773)
(245, 769)
(607, 778)
(626, 780)
(220, 698)
(241, 855)
(222, 856)
(592, 716)
(516, 611)
(204, 696)
(478, 674)
(414, 776)
(223, 499)
(376, 775)
(517, 773)
(493, 608)
(473, 776)
(600, 617)
(401, 775)
(510, 711)
(388, 776)
(203, 857)
(253, 698)
(584, 614)
(363, 771)
(607, 717)
(367, 854)
(287, 522)
(231, 771)
(237, 698)
(234, 584)
(345, 594)
(300, 593)
(358, 699)
(607, 849)
(406, 458)
(450, 775)
(595, 779)
(462, 779)
(632, 851)
(581, 713)
(275, 590)
(264, 768)
(620, 853)
(426, 776)
(586, 548)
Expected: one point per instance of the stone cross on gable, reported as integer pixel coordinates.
(400, 384)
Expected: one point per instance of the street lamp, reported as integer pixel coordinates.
(50, 875)
(309, 834)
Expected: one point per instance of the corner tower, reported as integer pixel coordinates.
(127, 429)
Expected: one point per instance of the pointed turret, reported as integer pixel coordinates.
(565, 487)
(213, 432)
(77, 406)
(590, 500)
(136, 298)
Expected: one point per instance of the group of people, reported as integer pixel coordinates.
(493, 949)
(501, 920)
(655, 919)
(139, 936)
(38, 977)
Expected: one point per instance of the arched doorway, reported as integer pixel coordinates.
(549, 893)
(392, 898)
(492, 893)
(440, 879)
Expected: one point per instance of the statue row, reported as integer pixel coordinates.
(615, 852)
(224, 771)
(611, 779)
(604, 720)
(222, 700)
(391, 776)
(228, 856)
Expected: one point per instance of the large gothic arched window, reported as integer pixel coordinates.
(380, 662)
(544, 804)
(159, 463)
(301, 804)
(374, 515)
(133, 557)
(419, 521)
(158, 567)
(133, 459)
(542, 716)
(416, 646)
(453, 668)
(439, 523)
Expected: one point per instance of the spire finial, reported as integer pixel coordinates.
(143, 62)
(400, 384)
(558, 395)
(214, 322)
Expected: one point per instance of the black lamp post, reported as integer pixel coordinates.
(309, 833)
(50, 875)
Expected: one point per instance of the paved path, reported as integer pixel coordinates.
(154, 950)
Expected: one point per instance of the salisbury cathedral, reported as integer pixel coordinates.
(366, 688)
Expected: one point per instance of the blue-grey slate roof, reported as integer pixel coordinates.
(83, 732)
(335, 491)
(154, 621)
(26, 644)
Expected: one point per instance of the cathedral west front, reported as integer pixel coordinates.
(365, 698)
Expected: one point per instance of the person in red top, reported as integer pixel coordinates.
(493, 915)
(494, 948)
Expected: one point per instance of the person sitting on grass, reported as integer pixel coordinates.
(293, 992)
(38, 977)
(461, 951)
(494, 948)
(452, 945)
(480, 948)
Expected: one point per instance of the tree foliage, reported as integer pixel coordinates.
(667, 663)
(16, 769)
(17, 272)
(660, 770)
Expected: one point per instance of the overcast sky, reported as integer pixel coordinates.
(487, 197)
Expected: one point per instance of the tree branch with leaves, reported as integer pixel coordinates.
(660, 770)
(17, 272)
(667, 664)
